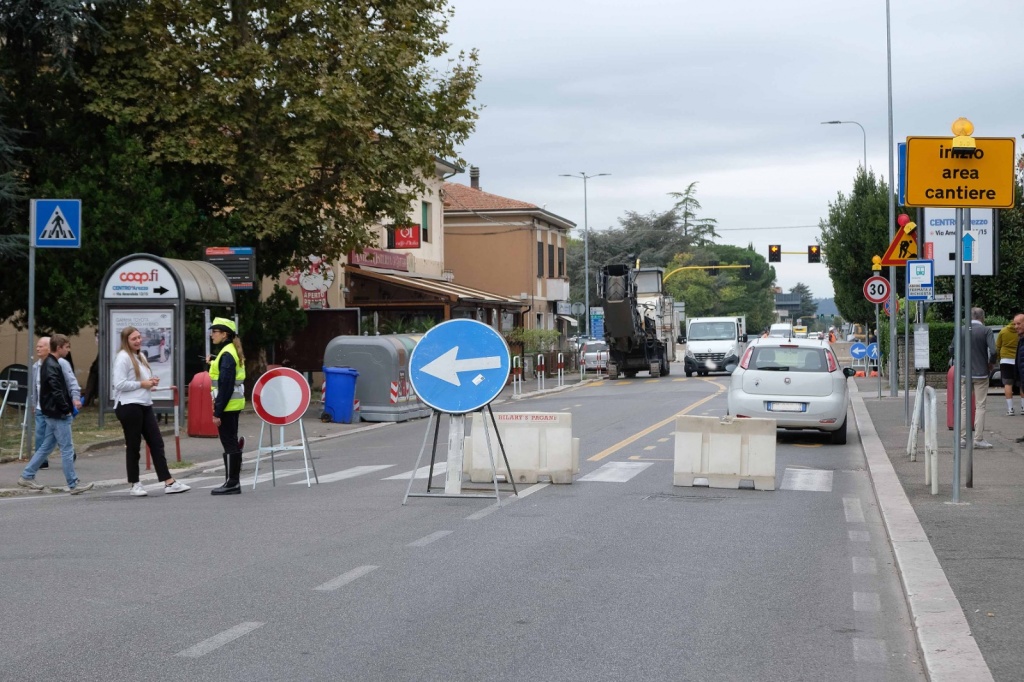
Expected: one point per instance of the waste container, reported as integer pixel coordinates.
(200, 407)
(384, 391)
(952, 409)
(339, 393)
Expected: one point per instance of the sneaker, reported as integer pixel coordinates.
(30, 483)
(176, 487)
(81, 488)
(1009, 412)
(241, 443)
(982, 445)
(963, 443)
(137, 490)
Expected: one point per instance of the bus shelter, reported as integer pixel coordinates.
(150, 293)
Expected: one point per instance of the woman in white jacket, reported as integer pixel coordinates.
(134, 382)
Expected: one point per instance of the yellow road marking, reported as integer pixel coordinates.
(809, 445)
(654, 427)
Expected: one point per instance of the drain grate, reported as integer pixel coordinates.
(686, 498)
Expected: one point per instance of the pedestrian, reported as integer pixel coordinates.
(1018, 325)
(227, 374)
(133, 383)
(983, 354)
(58, 409)
(43, 350)
(1006, 347)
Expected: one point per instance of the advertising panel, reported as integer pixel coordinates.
(158, 338)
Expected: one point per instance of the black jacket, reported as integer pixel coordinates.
(54, 396)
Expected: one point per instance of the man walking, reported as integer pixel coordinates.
(1006, 347)
(42, 351)
(56, 404)
(983, 353)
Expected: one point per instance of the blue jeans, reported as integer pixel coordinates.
(55, 432)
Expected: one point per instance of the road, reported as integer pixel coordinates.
(619, 576)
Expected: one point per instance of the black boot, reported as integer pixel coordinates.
(231, 486)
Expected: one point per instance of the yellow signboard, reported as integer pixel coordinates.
(902, 249)
(937, 177)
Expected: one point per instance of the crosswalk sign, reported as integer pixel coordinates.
(56, 223)
(902, 249)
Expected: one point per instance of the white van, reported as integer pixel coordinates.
(782, 330)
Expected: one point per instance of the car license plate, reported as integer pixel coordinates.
(787, 407)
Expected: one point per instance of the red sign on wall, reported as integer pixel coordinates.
(407, 237)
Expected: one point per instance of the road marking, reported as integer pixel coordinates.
(345, 578)
(813, 480)
(424, 541)
(615, 472)
(650, 447)
(868, 650)
(217, 641)
(347, 473)
(865, 565)
(859, 536)
(654, 427)
(262, 478)
(523, 492)
(664, 440)
(866, 601)
(852, 509)
(638, 458)
(439, 468)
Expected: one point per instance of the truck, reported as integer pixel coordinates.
(714, 344)
(638, 320)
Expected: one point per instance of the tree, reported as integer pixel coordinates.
(808, 308)
(701, 230)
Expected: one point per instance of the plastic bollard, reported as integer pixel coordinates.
(952, 409)
(200, 407)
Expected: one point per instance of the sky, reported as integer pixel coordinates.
(730, 95)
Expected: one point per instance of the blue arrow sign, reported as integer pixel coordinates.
(901, 153)
(858, 350)
(873, 351)
(459, 366)
(968, 247)
(56, 223)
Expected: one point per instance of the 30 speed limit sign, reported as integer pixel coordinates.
(876, 289)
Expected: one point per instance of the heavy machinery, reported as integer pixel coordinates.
(638, 320)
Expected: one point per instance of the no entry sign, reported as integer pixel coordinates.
(280, 396)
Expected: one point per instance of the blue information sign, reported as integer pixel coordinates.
(459, 366)
(858, 350)
(56, 223)
(873, 351)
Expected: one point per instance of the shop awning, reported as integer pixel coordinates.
(571, 320)
(441, 289)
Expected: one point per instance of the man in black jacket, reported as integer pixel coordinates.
(57, 408)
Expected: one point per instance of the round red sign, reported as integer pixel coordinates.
(280, 396)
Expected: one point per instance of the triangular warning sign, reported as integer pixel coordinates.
(902, 249)
(57, 227)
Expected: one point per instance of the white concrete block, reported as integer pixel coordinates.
(724, 451)
(539, 445)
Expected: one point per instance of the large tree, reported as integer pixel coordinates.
(701, 230)
(808, 308)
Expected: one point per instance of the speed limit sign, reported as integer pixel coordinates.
(876, 289)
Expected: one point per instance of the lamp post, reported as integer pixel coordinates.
(833, 123)
(586, 243)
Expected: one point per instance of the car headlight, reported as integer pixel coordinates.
(689, 354)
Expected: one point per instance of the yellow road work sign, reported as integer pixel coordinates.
(938, 177)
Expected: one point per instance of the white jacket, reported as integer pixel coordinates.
(127, 389)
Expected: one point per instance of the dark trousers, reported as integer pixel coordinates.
(138, 422)
(228, 431)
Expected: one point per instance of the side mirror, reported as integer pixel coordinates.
(730, 368)
(849, 372)
(743, 338)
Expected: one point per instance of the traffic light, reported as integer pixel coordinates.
(813, 253)
(775, 253)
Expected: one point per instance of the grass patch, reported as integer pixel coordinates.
(172, 464)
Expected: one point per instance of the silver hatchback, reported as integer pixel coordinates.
(796, 382)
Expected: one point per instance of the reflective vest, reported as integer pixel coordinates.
(237, 402)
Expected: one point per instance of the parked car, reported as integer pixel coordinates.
(796, 382)
(594, 355)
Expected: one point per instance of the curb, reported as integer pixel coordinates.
(948, 649)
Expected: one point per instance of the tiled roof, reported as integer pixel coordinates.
(461, 198)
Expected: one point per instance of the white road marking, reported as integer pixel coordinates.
(347, 473)
(813, 480)
(615, 472)
(859, 536)
(868, 650)
(424, 541)
(262, 478)
(663, 440)
(345, 578)
(864, 564)
(866, 601)
(852, 509)
(523, 492)
(439, 468)
(650, 447)
(217, 641)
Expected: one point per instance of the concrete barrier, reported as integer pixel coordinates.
(724, 451)
(539, 445)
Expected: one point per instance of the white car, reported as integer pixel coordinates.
(796, 382)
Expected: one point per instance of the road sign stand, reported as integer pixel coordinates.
(307, 456)
(280, 397)
(456, 453)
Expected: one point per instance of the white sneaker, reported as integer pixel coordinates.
(1009, 412)
(176, 487)
(982, 445)
(137, 490)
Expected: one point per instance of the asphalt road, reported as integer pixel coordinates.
(602, 579)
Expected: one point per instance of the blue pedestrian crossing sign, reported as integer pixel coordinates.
(56, 223)
(858, 351)
(873, 351)
(459, 366)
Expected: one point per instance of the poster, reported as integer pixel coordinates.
(158, 338)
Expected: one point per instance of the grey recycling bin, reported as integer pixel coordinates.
(383, 392)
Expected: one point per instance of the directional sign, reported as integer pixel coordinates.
(982, 179)
(876, 289)
(280, 396)
(968, 247)
(56, 223)
(920, 280)
(940, 240)
(902, 249)
(858, 351)
(141, 278)
(459, 366)
(873, 351)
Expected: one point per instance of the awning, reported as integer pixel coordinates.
(570, 320)
(443, 290)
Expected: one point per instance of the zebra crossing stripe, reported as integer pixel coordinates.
(422, 472)
(615, 472)
(814, 480)
(347, 473)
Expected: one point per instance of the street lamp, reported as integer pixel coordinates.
(833, 123)
(586, 242)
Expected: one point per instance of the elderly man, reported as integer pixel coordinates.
(983, 354)
(1018, 324)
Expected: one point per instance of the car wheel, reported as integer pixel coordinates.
(689, 373)
(838, 437)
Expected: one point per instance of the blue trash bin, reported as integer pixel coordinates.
(339, 393)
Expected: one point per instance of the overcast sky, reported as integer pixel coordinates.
(731, 95)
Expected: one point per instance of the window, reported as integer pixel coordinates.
(540, 260)
(561, 262)
(551, 260)
(425, 222)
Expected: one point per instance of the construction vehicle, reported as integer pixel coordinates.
(638, 320)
